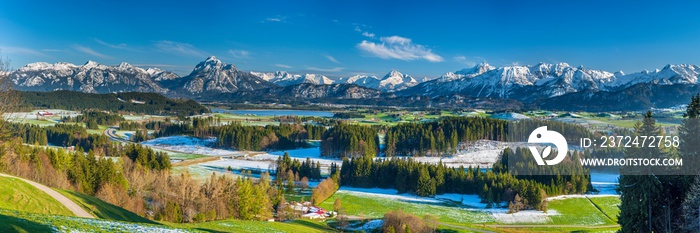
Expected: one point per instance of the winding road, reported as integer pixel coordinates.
(112, 134)
(70, 205)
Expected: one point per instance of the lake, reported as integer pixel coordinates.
(275, 112)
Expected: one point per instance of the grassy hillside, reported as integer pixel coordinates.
(376, 207)
(297, 226)
(18, 221)
(18, 195)
(102, 209)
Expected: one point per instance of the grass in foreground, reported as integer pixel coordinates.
(19, 221)
(577, 211)
(296, 226)
(609, 205)
(102, 209)
(19, 195)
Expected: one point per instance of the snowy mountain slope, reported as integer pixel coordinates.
(282, 78)
(526, 84)
(215, 76)
(91, 77)
(543, 81)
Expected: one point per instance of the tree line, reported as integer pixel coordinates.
(493, 186)
(153, 103)
(64, 135)
(346, 140)
(93, 119)
(140, 182)
(652, 201)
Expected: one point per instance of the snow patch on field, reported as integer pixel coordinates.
(367, 227)
(481, 153)
(523, 216)
(562, 197)
(472, 202)
(388, 194)
(189, 145)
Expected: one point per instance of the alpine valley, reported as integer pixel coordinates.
(541, 86)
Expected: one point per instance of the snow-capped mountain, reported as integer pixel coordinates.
(396, 81)
(469, 72)
(91, 77)
(542, 84)
(393, 81)
(528, 83)
(370, 81)
(214, 76)
(282, 78)
(670, 74)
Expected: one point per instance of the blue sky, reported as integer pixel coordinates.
(343, 38)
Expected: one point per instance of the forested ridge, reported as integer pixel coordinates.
(153, 103)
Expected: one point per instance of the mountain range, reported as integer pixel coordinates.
(539, 85)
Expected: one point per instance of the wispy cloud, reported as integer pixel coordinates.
(121, 46)
(361, 29)
(396, 47)
(329, 70)
(53, 50)
(89, 51)
(240, 54)
(178, 48)
(468, 61)
(21, 51)
(332, 59)
(147, 65)
(284, 66)
(276, 19)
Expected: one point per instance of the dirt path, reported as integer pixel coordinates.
(72, 206)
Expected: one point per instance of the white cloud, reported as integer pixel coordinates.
(241, 54)
(178, 48)
(463, 60)
(21, 51)
(358, 29)
(53, 50)
(149, 65)
(332, 59)
(396, 47)
(284, 66)
(330, 70)
(276, 19)
(89, 51)
(468, 61)
(121, 46)
(367, 34)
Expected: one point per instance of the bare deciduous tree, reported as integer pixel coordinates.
(8, 101)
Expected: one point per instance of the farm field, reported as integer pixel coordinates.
(372, 203)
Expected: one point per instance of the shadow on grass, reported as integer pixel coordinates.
(104, 210)
(12, 224)
(316, 226)
(210, 230)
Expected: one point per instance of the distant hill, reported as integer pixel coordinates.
(136, 102)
